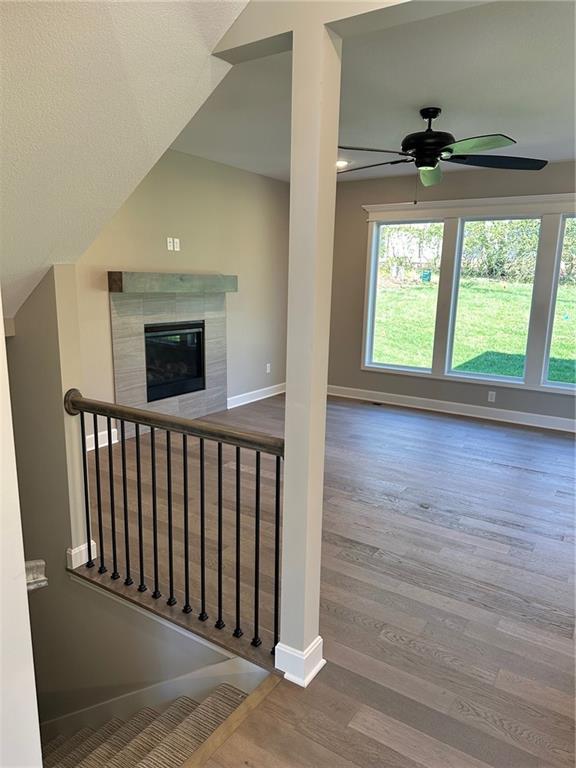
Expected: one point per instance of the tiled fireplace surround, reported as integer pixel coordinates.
(147, 298)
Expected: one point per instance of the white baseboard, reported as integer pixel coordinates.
(257, 394)
(459, 409)
(77, 556)
(300, 667)
(102, 439)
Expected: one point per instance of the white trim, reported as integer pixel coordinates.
(458, 409)
(370, 293)
(102, 439)
(543, 303)
(546, 382)
(77, 556)
(445, 307)
(300, 667)
(488, 206)
(257, 394)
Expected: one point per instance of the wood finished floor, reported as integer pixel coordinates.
(447, 601)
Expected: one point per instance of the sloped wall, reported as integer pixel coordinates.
(92, 95)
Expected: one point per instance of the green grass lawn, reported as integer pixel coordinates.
(491, 328)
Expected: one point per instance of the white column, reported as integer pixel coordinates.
(315, 111)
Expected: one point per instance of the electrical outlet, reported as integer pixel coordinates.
(170, 243)
(268, 367)
(491, 396)
(176, 243)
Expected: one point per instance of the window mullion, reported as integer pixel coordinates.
(370, 294)
(446, 297)
(543, 299)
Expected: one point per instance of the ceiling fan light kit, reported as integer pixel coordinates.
(427, 148)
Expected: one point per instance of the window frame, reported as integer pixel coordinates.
(450, 371)
(545, 382)
(552, 210)
(371, 300)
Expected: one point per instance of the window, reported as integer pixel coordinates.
(405, 292)
(562, 354)
(474, 290)
(496, 275)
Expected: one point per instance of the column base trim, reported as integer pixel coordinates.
(300, 667)
(76, 556)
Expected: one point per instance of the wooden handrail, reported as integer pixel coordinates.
(75, 403)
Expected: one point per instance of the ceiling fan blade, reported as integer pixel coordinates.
(499, 161)
(375, 165)
(480, 143)
(430, 176)
(371, 149)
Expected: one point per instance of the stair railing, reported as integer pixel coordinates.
(133, 423)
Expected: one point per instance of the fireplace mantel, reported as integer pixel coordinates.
(170, 282)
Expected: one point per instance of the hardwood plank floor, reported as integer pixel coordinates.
(447, 601)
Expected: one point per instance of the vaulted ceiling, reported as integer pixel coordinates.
(92, 95)
(499, 67)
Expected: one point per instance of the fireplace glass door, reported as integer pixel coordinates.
(174, 359)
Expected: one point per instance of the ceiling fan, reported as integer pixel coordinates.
(427, 148)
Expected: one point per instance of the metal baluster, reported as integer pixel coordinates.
(277, 556)
(156, 594)
(238, 630)
(187, 607)
(220, 622)
(102, 568)
(256, 641)
(90, 561)
(142, 586)
(171, 600)
(202, 615)
(128, 580)
(115, 574)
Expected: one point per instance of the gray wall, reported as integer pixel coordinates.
(228, 221)
(351, 240)
(87, 648)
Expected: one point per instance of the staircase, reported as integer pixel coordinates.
(148, 739)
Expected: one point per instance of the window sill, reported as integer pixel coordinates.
(426, 373)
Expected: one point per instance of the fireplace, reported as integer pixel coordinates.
(174, 359)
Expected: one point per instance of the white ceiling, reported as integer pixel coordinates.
(505, 67)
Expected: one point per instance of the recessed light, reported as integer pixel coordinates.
(342, 164)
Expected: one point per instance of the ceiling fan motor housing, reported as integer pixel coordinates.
(426, 146)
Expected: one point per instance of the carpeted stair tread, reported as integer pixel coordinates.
(68, 746)
(99, 736)
(146, 740)
(184, 740)
(108, 749)
(53, 744)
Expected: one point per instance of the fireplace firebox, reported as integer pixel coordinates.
(174, 359)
